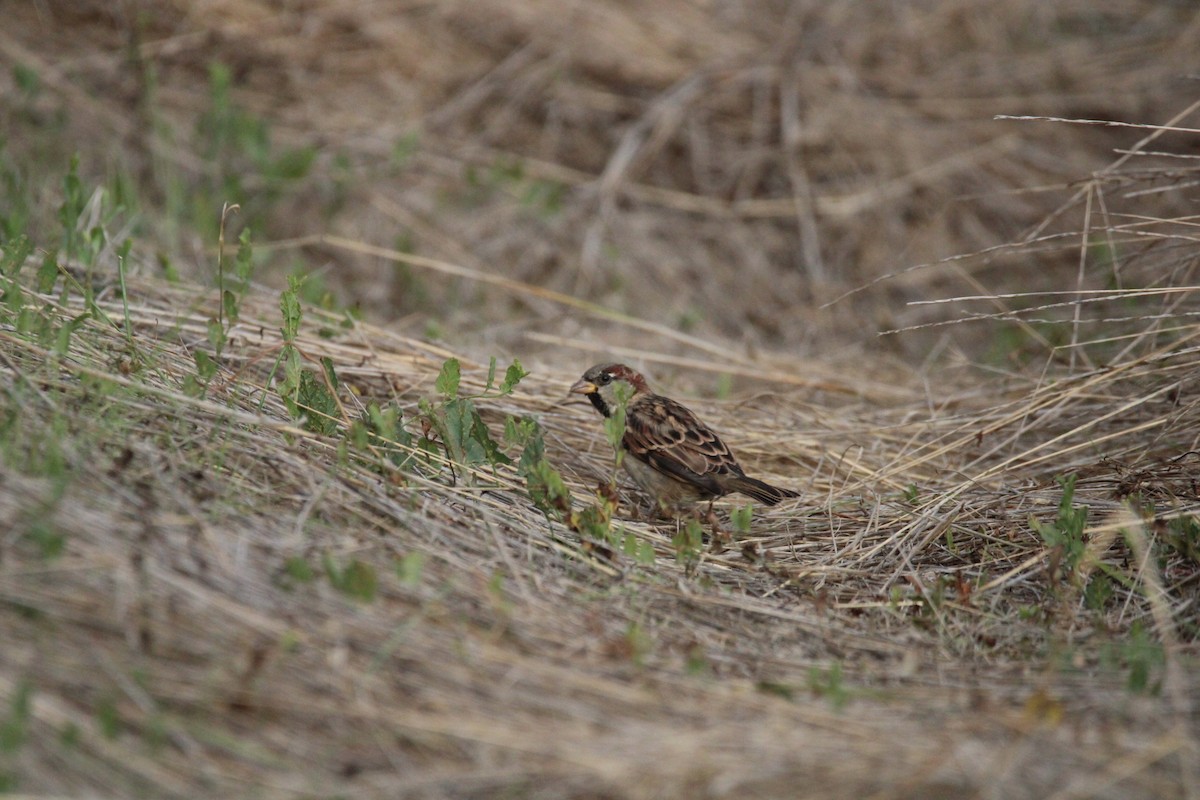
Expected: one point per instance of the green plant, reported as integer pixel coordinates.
(828, 683)
(246, 167)
(309, 396)
(456, 420)
(230, 293)
(410, 567)
(1143, 657)
(15, 193)
(14, 730)
(688, 542)
(380, 430)
(639, 550)
(741, 518)
(1065, 535)
(1183, 537)
(356, 579)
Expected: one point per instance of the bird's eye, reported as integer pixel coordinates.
(605, 378)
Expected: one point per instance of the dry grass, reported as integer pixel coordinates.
(902, 631)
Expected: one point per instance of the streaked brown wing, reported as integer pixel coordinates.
(670, 438)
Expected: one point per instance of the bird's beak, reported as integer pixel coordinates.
(583, 386)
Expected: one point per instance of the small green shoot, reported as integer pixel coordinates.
(637, 643)
(308, 395)
(409, 568)
(1144, 658)
(1065, 535)
(465, 437)
(641, 551)
(688, 541)
(14, 727)
(741, 517)
(828, 683)
(356, 580)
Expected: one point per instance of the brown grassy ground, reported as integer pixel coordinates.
(736, 197)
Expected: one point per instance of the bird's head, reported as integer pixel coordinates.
(601, 383)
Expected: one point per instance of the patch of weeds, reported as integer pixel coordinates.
(314, 291)
(15, 193)
(85, 217)
(543, 198)
(1142, 656)
(296, 571)
(1017, 344)
(246, 167)
(356, 580)
(44, 534)
(1183, 537)
(741, 518)
(452, 431)
(697, 664)
(778, 689)
(309, 396)
(1064, 536)
(641, 551)
(409, 568)
(828, 683)
(550, 495)
(1098, 592)
(14, 731)
(380, 431)
(232, 292)
(455, 418)
(499, 597)
(404, 149)
(108, 719)
(724, 386)
(638, 643)
(688, 542)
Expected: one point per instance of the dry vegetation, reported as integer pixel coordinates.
(204, 592)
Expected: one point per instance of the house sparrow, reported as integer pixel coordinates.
(673, 456)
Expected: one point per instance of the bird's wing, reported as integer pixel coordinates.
(668, 437)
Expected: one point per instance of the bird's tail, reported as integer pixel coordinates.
(762, 492)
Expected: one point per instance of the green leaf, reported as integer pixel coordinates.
(243, 266)
(688, 541)
(292, 165)
(62, 341)
(206, 368)
(741, 518)
(357, 580)
(491, 378)
(14, 258)
(216, 336)
(448, 380)
(289, 304)
(330, 375)
(409, 568)
(229, 301)
(320, 406)
(27, 80)
(512, 376)
(455, 420)
(298, 570)
(546, 488)
(14, 727)
(535, 445)
(480, 435)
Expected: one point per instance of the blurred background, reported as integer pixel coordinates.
(777, 176)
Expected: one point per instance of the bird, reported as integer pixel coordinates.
(673, 456)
